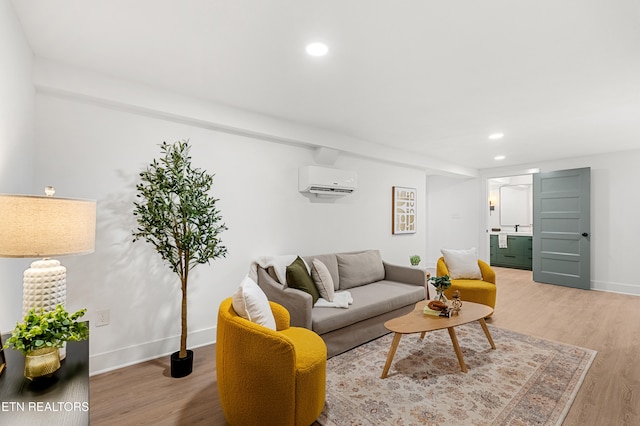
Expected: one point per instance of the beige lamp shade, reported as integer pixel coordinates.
(33, 226)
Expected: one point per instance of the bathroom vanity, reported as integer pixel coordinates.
(518, 253)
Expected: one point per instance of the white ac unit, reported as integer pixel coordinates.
(326, 181)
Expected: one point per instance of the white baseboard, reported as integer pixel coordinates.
(621, 288)
(124, 357)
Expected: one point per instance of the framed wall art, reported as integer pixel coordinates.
(403, 216)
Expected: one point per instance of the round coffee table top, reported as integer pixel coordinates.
(417, 322)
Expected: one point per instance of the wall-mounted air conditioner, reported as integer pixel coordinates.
(326, 181)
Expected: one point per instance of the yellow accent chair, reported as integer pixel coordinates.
(479, 291)
(268, 377)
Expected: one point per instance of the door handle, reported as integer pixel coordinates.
(585, 234)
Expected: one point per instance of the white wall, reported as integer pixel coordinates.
(93, 150)
(17, 122)
(453, 215)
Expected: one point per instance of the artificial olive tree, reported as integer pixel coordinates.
(178, 216)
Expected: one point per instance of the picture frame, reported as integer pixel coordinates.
(403, 214)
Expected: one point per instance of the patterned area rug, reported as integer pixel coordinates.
(525, 381)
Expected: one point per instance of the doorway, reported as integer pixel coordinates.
(556, 216)
(510, 221)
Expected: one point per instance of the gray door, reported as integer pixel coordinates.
(561, 227)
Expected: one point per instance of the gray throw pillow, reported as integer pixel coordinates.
(322, 277)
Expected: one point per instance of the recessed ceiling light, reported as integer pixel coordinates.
(499, 157)
(317, 49)
(495, 136)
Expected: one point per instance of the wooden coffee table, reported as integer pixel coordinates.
(418, 322)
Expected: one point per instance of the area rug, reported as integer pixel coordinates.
(525, 381)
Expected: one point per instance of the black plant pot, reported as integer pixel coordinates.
(181, 367)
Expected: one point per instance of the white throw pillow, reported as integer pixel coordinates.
(250, 302)
(462, 264)
(322, 278)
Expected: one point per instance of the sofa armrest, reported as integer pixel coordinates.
(405, 274)
(297, 302)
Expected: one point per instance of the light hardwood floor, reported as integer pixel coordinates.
(606, 322)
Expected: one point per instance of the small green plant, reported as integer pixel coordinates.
(415, 260)
(440, 283)
(42, 329)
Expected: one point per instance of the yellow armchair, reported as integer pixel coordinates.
(478, 291)
(268, 377)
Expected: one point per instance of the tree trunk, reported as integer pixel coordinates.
(183, 333)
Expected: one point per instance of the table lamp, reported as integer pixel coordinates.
(45, 226)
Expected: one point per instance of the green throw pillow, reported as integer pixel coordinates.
(298, 277)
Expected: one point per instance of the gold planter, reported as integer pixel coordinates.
(41, 363)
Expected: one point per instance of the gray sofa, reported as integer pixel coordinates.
(380, 291)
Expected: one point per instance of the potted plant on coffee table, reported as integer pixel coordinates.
(41, 335)
(441, 283)
(178, 216)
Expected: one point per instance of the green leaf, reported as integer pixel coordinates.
(48, 329)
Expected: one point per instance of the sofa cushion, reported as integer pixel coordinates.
(331, 262)
(298, 277)
(360, 268)
(250, 302)
(322, 277)
(368, 301)
(462, 264)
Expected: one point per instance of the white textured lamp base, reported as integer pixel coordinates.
(44, 286)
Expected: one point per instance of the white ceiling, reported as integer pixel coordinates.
(560, 78)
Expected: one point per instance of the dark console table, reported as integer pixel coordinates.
(62, 399)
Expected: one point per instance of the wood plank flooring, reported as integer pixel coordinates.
(609, 323)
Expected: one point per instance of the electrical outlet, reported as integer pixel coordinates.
(102, 318)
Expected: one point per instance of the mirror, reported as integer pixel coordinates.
(515, 205)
